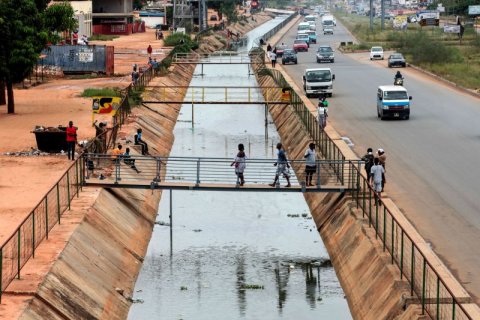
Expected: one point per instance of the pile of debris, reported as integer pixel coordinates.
(31, 153)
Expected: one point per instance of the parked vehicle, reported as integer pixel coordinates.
(396, 59)
(213, 18)
(289, 56)
(318, 81)
(300, 45)
(325, 53)
(376, 53)
(393, 102)
(304, 37)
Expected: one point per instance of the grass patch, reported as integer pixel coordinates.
(105, 92)
(102, 37)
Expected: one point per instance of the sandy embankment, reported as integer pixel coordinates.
(113, 225)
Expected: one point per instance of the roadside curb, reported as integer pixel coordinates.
(446, 81)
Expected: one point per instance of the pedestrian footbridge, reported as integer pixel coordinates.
(220, 57)
(212, 95)
(214, 174)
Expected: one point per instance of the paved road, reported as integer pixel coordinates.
(432, 169)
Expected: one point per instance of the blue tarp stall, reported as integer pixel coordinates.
(79, 58)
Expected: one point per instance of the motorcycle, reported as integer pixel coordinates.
(398, 82)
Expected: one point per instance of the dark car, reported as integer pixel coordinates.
(396, 60)
(289, 56)
(213, 18)
(280, 50)
(325, 53)
(300, 45)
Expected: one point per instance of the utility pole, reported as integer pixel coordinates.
(383, 14)
(371, 15)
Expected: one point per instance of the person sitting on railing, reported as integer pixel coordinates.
(127, 159)
(117, 152)
(139, 141)
(286, 95)
(282, 167)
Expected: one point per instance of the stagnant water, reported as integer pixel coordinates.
(235, 255)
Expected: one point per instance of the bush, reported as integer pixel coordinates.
(176, 39)
(105, 92)
(422, 49)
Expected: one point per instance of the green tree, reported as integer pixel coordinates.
(26, 26)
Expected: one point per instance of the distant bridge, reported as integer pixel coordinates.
(219, 95)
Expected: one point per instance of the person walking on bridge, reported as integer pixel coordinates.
(282, 167)
(377, 178)
(239, 163)
(310, 164)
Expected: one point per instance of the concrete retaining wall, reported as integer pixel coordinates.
(371, 284)
(95, 275)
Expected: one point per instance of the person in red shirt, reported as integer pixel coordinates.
(150, 50)
(71, 140)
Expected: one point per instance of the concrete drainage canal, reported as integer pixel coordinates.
(236, 255)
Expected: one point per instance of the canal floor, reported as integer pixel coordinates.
(236, 255)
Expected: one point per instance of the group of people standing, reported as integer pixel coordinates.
(272, 54)
(375, 170)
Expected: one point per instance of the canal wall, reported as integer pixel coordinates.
(95, 274)
(371, 284)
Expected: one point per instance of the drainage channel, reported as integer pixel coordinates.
(235, 255)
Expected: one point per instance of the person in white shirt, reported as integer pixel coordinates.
(310, 164)
(240, 164)
(322, 111)
(377, 177)
(273, 57)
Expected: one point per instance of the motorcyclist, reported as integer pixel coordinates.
(398, 75)
(398, 80)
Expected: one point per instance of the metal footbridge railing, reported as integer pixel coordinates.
(219, 95)
(215, 174)
(220, 57)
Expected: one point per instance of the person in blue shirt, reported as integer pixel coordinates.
(283, 168)
(139, 141)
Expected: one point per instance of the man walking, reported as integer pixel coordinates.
(377, 179)
(282, 167)
(149, 50)
(310, 164)
(368, 158)
(71, 140)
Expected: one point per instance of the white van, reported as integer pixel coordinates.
(393, 102)
(303, 26)
(318, 81)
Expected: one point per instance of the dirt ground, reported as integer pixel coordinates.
(25, 179)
